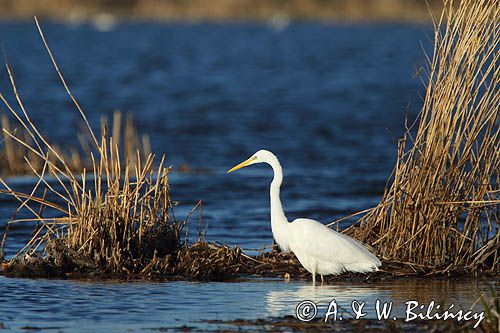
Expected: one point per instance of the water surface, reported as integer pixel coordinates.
(73, 306)
(329, 100)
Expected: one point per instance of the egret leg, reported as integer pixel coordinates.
(314, 278)
(322, 279)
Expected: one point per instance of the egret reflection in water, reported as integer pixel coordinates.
(286, 300)
(462, 293)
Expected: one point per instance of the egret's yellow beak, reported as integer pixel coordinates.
(241, 165)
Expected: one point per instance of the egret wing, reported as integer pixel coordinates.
(325, 244)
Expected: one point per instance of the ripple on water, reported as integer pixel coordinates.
(116, 306)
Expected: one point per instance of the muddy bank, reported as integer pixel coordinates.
(200, 261)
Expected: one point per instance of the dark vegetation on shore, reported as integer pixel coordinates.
(439, 214)
(291, 324)
(222, 10)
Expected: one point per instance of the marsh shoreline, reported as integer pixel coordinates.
(278, 12)
(205, 262)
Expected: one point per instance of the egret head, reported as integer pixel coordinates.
(262, 156)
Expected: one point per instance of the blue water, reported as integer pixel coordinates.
(140, 306)
(329, 100)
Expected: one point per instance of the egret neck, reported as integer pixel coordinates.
(279, 221)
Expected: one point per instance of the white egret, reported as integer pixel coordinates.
(320, 249)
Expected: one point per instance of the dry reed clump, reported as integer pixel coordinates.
(13, 156)
(112, 219)
(441, 212)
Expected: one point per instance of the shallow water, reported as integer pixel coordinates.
(329, 100)
(141, 306)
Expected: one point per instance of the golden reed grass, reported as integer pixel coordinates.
(115, 215)
(441, 211)
(13, 156)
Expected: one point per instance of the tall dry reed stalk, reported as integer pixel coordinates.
(115, 216)
(13, 156)
(441, 211)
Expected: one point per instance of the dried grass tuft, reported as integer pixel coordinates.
(115, 217)
(441, 211)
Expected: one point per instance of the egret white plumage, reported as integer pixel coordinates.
(320, 249)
